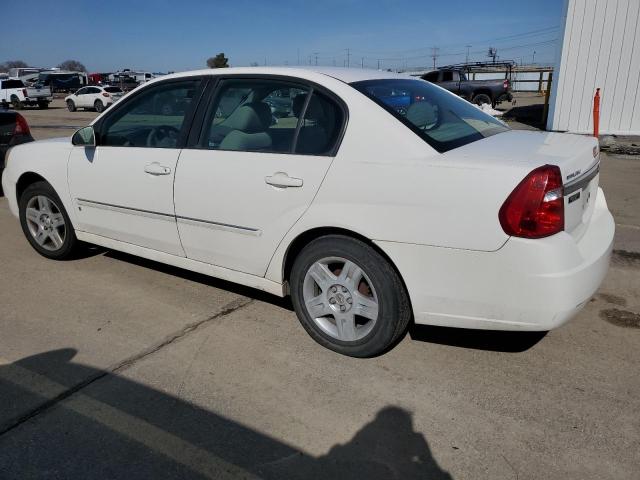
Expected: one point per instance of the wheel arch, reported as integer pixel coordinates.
(26, 179)
(483, 91)
(299, 242)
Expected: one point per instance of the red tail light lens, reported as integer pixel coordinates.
(535, 209)
(505, 84)
(22, 127)
(105, 94)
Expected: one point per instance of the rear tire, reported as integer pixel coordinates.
(16, 103)
(481, 98)
(45, 222)
(99, 106)
(71, 106)
(348, 297)
(43, 105)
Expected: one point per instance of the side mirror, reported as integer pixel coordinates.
(85, 137)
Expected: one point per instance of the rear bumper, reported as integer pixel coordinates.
(533, 285)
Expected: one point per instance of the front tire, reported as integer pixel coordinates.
(348, 297)
(45, 222)
(71, 106)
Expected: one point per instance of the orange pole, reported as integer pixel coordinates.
(596, 114)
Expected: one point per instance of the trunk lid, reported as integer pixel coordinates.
(577, 156)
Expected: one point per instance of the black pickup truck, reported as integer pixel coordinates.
(476, 91)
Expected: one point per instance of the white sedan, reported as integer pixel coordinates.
(377, 200)
(94, 97)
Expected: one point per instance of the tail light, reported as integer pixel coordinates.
(105, 94)
(22, 127)
(535, 208)
(505, 84)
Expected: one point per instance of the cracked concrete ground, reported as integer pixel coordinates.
(116, 367)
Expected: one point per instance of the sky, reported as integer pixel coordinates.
(161, 36)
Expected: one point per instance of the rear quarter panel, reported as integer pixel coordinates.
(387, 184)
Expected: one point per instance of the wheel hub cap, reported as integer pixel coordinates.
(340, 298)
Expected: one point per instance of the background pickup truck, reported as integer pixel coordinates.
(476, 91)
(13, 91)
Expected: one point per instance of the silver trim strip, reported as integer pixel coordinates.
(583, 180)
(128, 210)
(168, 217)
(220, 226)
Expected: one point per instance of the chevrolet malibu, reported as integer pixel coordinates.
(377, 200)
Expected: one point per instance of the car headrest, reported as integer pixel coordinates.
(314, 109)
(251, 117)
(422, 114)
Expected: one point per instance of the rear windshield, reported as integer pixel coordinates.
(112, 89)
(6, 84)
(440, 118)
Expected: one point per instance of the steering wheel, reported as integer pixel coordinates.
(163, 132)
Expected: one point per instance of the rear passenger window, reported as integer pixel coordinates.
(320, 126)
(254, 115)
(271, 116)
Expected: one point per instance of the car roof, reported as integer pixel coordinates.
(347, 75)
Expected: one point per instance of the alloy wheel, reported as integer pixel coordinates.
(340, 298)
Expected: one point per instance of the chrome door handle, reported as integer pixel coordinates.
(156, 169)
(282, 180)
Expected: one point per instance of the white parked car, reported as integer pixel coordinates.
(95, 97)
(379, 200)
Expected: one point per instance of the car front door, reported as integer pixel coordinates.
(81, 97)
(252, 174)
(123, 188)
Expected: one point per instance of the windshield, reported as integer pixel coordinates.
(441, 119)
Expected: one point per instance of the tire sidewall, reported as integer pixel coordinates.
(383, 278)
(44, 189)
(71, 106)
(99, 106)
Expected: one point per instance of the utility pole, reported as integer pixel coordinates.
(493, 53)
(316, 55)
(298, 56)
(348, 58)
(378, 64)
(434, 55)
(468, 47)
(362, 62)
(534, 57)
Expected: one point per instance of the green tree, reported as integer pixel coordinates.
(219, 61)
(73, 65)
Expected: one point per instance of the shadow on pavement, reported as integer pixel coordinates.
(202, 279)
(87, 423)
(499, 341)
(491, 340)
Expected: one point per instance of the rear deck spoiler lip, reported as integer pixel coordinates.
(583, 180)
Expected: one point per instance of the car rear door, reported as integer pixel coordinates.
(248, 177)
(123, 188)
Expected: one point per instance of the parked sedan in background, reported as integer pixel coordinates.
(382, 200)
(93, 97)
(14, 130)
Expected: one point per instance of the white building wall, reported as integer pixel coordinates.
(600, 48)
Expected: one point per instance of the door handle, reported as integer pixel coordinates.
(282, 180)
(156, 169)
